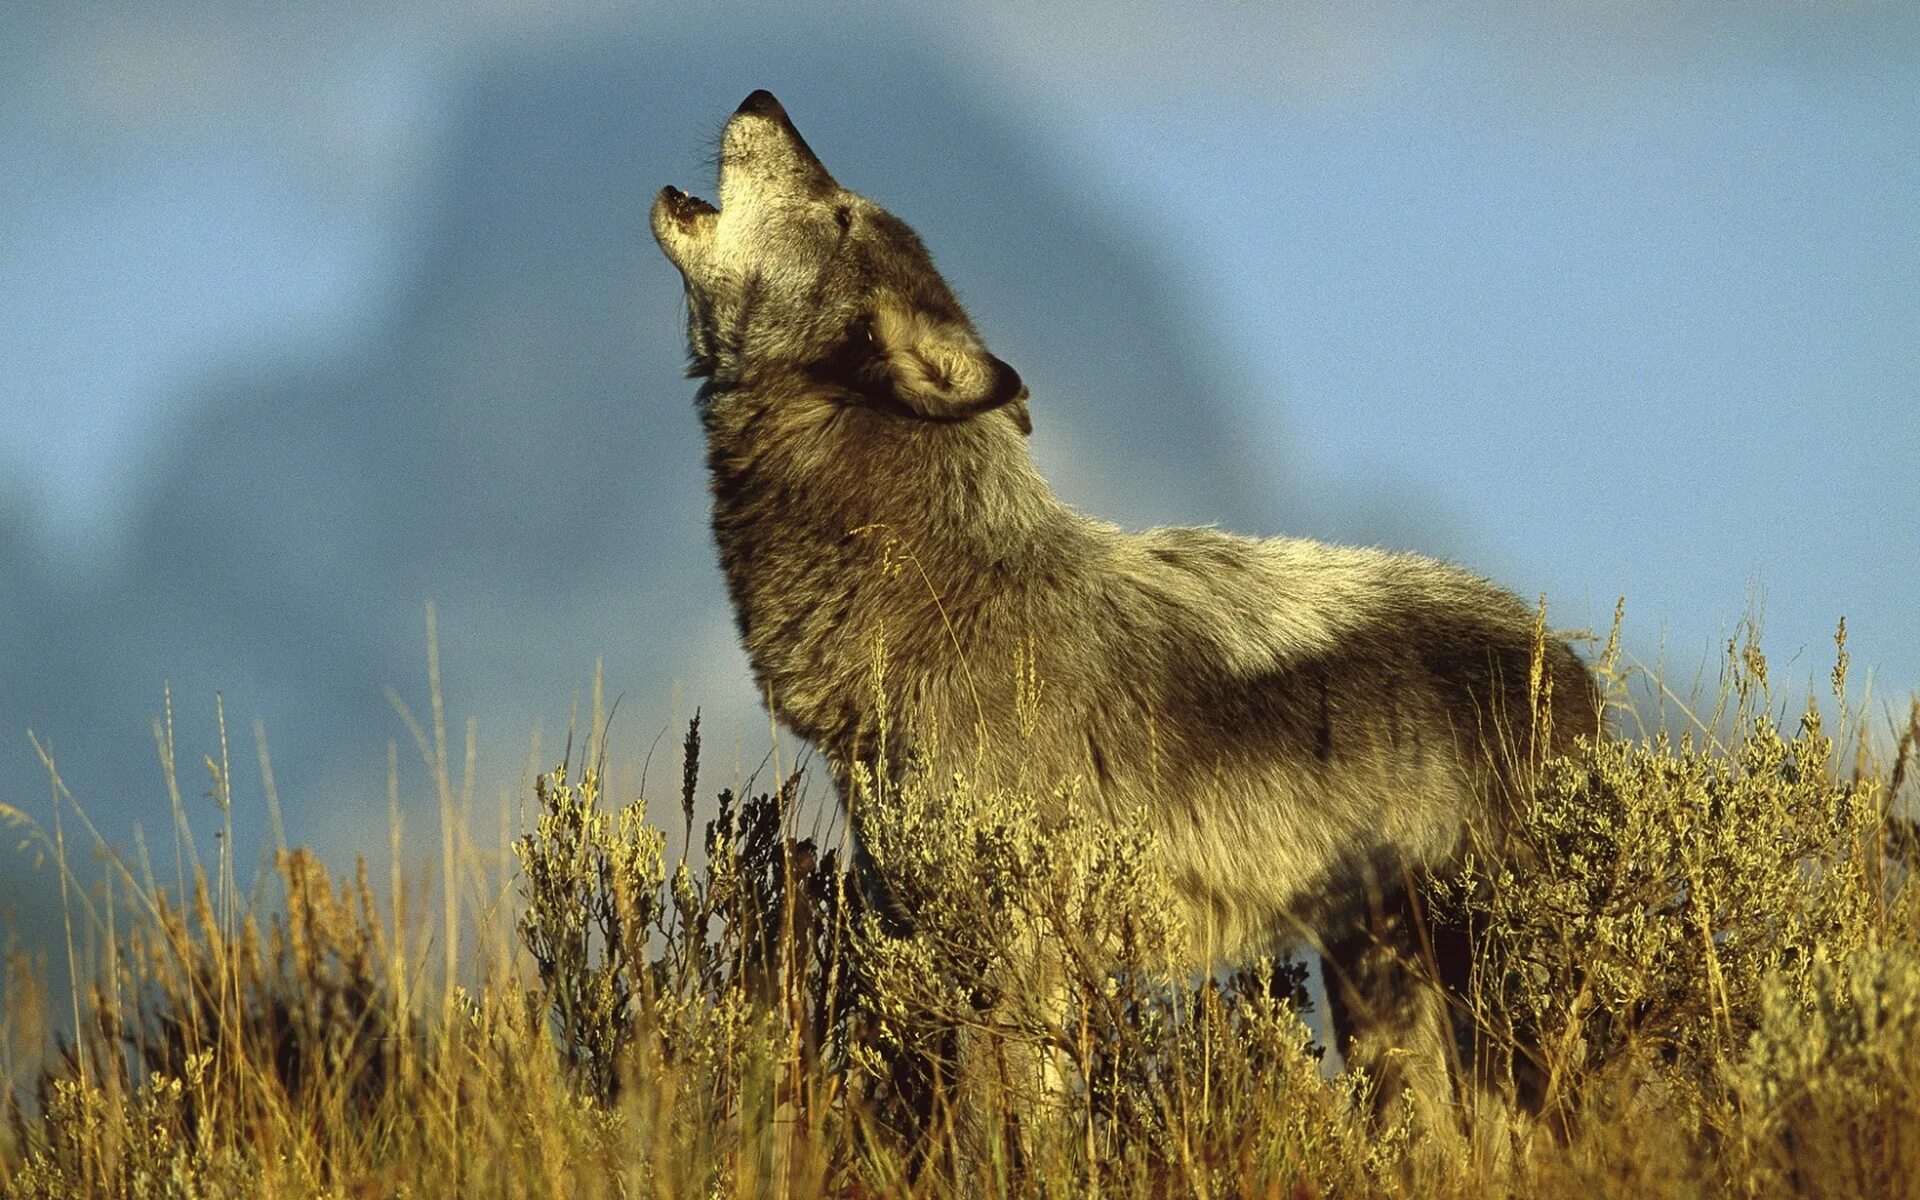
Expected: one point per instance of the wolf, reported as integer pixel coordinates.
(1330, 726)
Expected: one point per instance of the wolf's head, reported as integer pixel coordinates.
(794, 277)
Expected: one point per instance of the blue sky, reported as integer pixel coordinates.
(1657, 340)
(1593, 302)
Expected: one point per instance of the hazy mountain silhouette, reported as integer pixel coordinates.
(517, 443)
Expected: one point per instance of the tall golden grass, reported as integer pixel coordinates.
(1706, 955)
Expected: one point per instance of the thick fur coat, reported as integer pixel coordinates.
(1309, 727)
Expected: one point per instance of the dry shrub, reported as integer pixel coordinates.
(202, 1025)
(1826, 1088)
(1654, 890)
(1707, 946)
(1025, 1009)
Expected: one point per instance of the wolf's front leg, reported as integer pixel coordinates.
(1016, 1076)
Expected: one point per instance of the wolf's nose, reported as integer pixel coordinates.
(761, 104)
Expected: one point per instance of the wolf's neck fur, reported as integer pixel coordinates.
(841, 529)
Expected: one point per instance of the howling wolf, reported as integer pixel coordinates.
(1329, 726)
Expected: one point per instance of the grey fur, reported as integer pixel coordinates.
(1309, 726)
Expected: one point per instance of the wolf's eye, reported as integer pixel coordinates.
(861, 330)
(843, 217)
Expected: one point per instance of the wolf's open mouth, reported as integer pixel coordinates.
(683, 207)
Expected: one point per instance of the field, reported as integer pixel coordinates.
(1709, 962)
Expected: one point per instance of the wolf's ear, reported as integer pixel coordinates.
(938, 371)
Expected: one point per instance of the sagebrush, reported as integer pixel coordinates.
(1711, 940)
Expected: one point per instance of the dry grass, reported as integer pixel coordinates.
(1707, 960)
